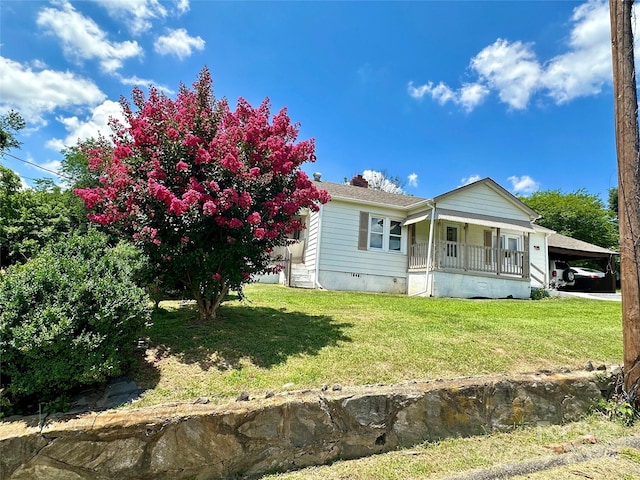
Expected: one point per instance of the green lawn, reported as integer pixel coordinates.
(290, 339)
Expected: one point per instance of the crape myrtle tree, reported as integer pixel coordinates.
(205, 191)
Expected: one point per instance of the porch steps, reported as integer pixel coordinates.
(301, 276)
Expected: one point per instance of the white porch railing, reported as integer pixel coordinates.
(465, 257)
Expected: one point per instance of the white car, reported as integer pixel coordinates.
(583, 272)
(561, 274)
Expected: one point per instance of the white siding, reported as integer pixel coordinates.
(539, 260)
(311, 252)
(339, 243)
(484, 200)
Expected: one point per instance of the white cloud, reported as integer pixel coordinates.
(183, 6)
(419, 92)
(36, 92)
(471, 95)
(40, 170)
(91, 127)
(468, 97)
(136, 81)
(138, 14)
(524, 185)
(82, 39)
(412, 179)
(587, 66)
(179, 43)
(52, 165)
(513, 71)
(470, 179)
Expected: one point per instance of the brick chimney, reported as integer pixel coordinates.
(359, 181)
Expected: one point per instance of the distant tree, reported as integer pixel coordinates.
(9, 208)
(206, 192)
(10, 123)
(579, 215)
(381, 180)
(39, 216)
(75, 164)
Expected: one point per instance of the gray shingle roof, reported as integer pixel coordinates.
(567, 243)
(340, 191)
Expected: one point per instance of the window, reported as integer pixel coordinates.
(380, 233)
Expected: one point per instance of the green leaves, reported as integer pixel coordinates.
(69, 317)
(579, 215)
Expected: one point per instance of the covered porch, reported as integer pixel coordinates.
(467, 255)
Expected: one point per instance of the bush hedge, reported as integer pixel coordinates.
(69, 317)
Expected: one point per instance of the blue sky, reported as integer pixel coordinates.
(435, 93)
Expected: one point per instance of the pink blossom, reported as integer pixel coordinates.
(184, 240)
(122, 151)
(181, 166)
(172, 133)
(235, 223)
(190, 197)
(177, 206)
(254, 218)
(209, 208)
(191, 140)
(231, 163)
(90, 196)
(217, 277)
(202, 156)
(258, 233)
(254, 172)
(196, 185)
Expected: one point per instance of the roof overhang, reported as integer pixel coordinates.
(416, 217)
(473, 218)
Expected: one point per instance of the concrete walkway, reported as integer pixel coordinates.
(613, 297)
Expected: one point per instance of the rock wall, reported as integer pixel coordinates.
(285, 431)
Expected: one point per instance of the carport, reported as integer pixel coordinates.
(565, 248)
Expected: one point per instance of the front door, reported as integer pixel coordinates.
(509, 244)
(451, 246)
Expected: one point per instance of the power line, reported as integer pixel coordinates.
(37, 166)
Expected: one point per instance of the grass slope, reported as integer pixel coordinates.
(500, 456)
(283, 338)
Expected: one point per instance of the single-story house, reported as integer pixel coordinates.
(478, 240)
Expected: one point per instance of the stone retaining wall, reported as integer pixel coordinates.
(285, 431)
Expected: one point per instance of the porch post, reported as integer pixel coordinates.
(465, 250)
(526, 262)
(499, 258)
(430, 249)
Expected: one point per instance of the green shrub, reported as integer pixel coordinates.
(539, 293)
(69, 317)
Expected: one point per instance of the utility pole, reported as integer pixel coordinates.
(626, 124)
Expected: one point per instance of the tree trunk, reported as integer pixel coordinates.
(208, 306)
(626, 123)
